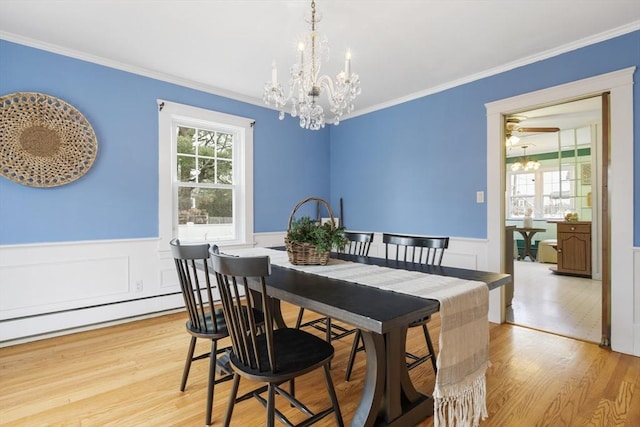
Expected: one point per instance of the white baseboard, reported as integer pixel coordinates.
(47, 325)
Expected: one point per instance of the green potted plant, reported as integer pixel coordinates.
(309, 242)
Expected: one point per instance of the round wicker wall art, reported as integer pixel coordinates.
(44, 141)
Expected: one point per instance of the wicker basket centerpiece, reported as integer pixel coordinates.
(308, 241)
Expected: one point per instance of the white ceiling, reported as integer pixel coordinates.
(572, 118)
(401, 49)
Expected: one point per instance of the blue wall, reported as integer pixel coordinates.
(416, 167)
(118, 197)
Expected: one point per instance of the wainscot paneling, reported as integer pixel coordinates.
(636, 304)
(54, 289)
(69, 283)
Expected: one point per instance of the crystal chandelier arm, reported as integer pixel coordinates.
(341, 93)
(326, 83)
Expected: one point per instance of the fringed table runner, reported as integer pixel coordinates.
(460, 390)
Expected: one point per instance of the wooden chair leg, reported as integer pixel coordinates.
(332, 395)
(427, 337)
(271, 412)
(299, 321)
(187, 363)
(232, 400)
(352, 355)
(212, 380)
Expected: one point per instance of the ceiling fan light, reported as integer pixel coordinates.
(512, 140)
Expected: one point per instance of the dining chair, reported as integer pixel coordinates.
(412, 249)
(205, 321)
(358, 243)
(274, 357)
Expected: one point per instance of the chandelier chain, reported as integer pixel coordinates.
(313, 44)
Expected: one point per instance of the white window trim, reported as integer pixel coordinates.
(538, 211)
(170, 112)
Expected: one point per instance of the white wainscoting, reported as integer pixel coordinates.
(58, 288)
(636, 302)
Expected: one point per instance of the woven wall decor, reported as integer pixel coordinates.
(44, 141)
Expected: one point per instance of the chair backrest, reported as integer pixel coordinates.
(359, 243)
(253, 349)
(418, 249)
(193, 274)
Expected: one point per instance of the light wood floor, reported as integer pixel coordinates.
(129, 375)
(564, 305)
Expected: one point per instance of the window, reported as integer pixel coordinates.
(549, 192)
(206, 167)
(557, 193)
(205, 183)
(522, 193)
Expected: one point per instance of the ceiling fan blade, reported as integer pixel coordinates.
(538, 129)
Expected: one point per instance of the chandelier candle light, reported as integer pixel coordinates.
(306, 84)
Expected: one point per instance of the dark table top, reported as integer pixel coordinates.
(366, 307)
(529, 229)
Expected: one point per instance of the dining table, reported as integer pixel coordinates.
(389, 398)
(528, 233)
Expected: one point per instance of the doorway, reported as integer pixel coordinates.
(550, 153)
(618, 321)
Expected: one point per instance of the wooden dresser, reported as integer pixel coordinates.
(574, 248)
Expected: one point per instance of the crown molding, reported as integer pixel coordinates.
(587, 41)
(83, 56)
(596, 38)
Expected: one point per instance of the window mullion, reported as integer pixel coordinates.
(538, 209)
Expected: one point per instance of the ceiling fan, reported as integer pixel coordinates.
(513, 122)
(512, 125)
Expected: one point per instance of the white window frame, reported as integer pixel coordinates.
(172, 114)
(509, 189)
(538, 196)
(571, 169)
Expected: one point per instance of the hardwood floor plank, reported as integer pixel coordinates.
(565, 305)
(129, 375)
(633, 376)
(565, 408)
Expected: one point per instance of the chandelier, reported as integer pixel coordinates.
(306, 84)
(524, 163)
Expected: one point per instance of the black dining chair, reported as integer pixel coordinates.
(205, 321)
(412, 249)
(274, 357)
(358, 243)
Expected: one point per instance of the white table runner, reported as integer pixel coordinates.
(460, 391)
